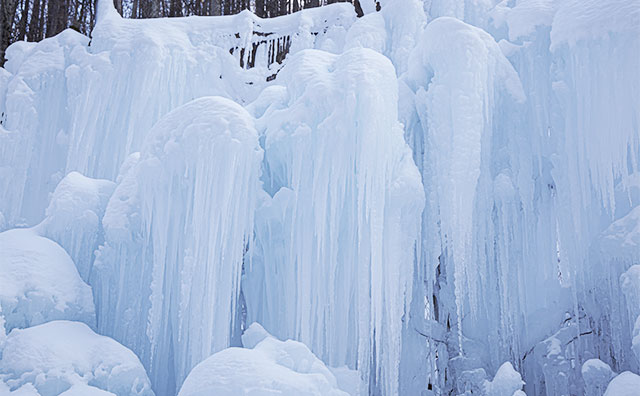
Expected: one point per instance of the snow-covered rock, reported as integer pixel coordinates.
(59, 355)
(266, 366)
(39, 282)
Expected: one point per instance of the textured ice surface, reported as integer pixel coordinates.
(265, 366)
(58, 355)
(39, 282)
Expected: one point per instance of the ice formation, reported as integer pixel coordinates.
(39, 282)
(73, 217)
(332, 232)
(439, 197)
(176, 231)
(59, 355)
(264, 366)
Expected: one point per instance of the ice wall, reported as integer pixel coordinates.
(522, 121)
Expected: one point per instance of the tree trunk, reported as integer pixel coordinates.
(22, 24)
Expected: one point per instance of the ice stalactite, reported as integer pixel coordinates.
(177, 228)
(336, 243)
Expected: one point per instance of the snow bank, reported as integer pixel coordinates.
(624, 384)
(176, 230)
(268, 366)
(74, 215)
(344, 210)
(58, 355)
(39, 282)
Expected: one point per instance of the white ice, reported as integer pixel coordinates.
(57, 355)
(265, 366)
(39, 282)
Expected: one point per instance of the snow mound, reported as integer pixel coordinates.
(506, 382)
(57, 355)
(73, 217)
(178, 225)
(268, 368)
(39, 282)
(624, 384)
(596, 375)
